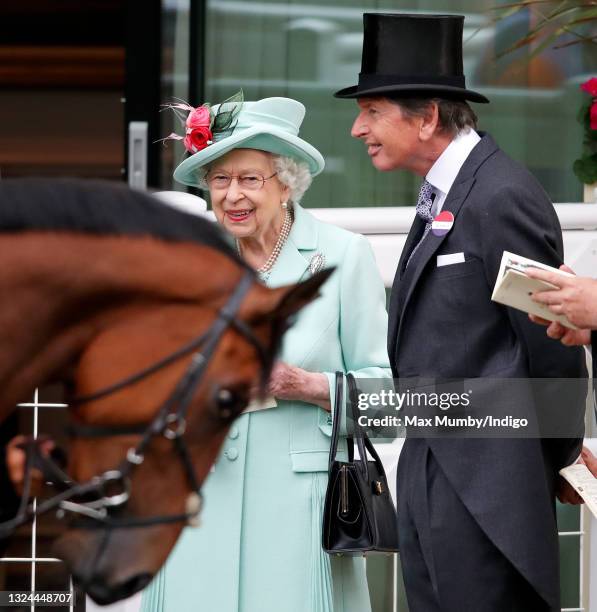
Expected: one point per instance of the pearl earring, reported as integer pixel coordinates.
(284, 205)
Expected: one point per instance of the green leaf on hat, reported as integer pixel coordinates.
(226, 116)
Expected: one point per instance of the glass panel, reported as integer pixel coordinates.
(380, 577)
(175, 82)
(308, 50)
(569, 520)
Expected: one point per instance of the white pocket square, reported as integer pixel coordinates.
(448, 260)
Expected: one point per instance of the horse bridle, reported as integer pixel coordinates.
(111, 490)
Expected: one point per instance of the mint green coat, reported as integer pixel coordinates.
(258, 548)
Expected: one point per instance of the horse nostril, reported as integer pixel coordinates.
(134, 584)
(103, 593)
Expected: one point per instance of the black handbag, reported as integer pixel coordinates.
(359, 516)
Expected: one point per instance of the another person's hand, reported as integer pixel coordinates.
(589, 460)
(575, 296)
(567, 336)
(288, 382)
(566, 493)
(15, 464)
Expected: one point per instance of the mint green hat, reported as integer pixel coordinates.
(271, 124)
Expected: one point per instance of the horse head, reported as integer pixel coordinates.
(162, 339)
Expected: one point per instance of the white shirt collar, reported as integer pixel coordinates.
(447, 166)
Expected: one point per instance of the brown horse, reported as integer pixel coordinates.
(159, 330)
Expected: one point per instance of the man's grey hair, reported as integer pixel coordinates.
(293, 174)
(455, 116)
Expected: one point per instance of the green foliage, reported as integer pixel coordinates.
(585, 167)
(554, 20)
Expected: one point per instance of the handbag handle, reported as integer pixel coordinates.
(363, 442)
(358, 433)
(338, 411)
(338, 407)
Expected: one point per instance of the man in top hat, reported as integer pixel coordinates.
(476, 522)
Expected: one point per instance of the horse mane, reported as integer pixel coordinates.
(102, 208)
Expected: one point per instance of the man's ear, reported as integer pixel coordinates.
(429, 123)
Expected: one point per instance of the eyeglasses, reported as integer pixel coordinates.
(251, 181)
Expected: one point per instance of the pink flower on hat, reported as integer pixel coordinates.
(201, 123)
(198, 132)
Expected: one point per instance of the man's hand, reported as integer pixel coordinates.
(575, 296)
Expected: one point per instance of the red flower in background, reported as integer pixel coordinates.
(198, 132)
(593, 116)
(585, 167)
(590, 87)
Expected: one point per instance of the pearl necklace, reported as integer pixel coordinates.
(265, 270)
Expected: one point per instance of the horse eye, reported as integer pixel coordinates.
(228, 403)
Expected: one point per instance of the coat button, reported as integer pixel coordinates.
(233, 433)
(231, 454)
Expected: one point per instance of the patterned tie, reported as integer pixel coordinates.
(424, 204)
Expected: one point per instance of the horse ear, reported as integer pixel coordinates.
(294, 297)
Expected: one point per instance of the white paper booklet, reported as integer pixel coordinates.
(514, 288)
(583, 482)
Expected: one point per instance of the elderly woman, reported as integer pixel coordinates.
(259, 545)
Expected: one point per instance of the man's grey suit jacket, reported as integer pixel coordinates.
(442, 323)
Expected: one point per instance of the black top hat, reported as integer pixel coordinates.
(412, 55)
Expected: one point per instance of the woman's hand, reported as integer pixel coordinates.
(575, 296)
(288, 382)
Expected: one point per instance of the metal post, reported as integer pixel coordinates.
(137, 168)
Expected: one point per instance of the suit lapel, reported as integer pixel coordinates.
(429, 246)
(407, 280)
(414, 234)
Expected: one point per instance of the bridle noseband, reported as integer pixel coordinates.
(98, 501)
